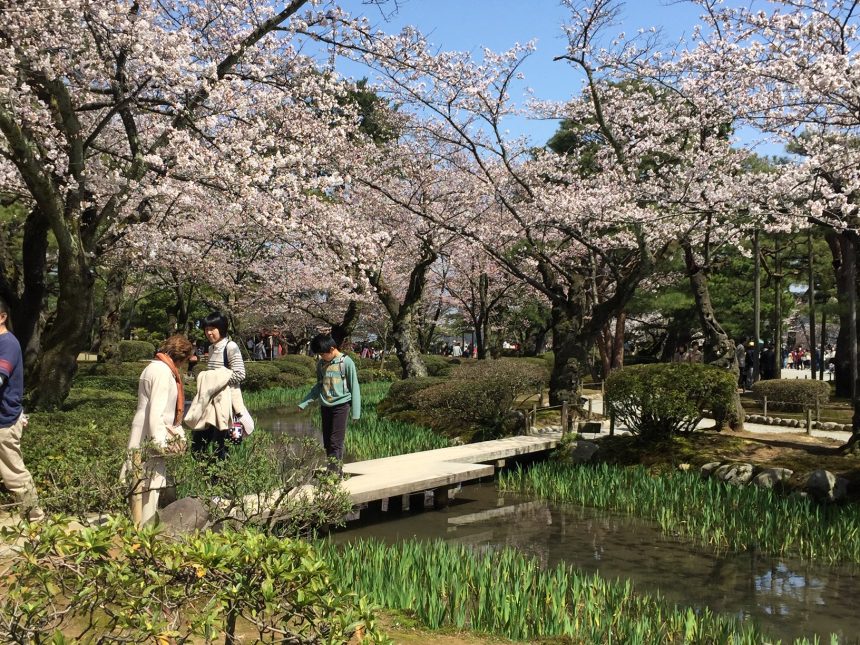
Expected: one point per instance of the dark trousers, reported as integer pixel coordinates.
(210, 438)
(334, 429)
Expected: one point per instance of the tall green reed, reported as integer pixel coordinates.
(506, 593)
(736, 518)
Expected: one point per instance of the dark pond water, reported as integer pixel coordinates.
(789, 599)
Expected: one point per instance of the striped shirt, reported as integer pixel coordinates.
(234, 360)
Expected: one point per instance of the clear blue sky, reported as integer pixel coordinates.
(468, 25)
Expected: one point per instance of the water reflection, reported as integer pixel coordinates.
(289, 421)
(788, 599)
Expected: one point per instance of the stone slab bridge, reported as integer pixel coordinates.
(394, 481)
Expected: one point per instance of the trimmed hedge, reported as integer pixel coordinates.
(439, 365)
(791, 394)
(136, 350)
(376, 375)
(261, 375)
(402, 393)
(478, 396)
(656, 401)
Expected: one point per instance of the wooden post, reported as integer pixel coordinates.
(808, 420)
(602, 388)
(765, 405)
(564, 418)
(534, 416)
(611, 424)
(817, 409)
(589, 409)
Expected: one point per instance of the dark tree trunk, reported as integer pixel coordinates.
(719, 350)
(570, 352)
(402, 314)
(110, 332)
(611, 345)
(27, 314)
(68, 334)
(842, 359)
(342, 331)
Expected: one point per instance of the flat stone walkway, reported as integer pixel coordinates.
(377, 479)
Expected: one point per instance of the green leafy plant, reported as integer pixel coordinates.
(477, 396)
(791, 394)
(117, 583)
(264, 482)
(657, 401)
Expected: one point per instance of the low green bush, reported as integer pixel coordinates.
(389, 363)
(305, 368)
(480, 393)
(376, 375)
(477, 396)
(116, 583)
(791, 394)
(261, 375)
(438, 365)
(656, 401)
(288, 380)
(136, 350)
(130, 370)
(401, 395)
(75, 454)
(109, 383)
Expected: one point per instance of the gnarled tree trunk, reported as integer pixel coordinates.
(110, 332)
(719, 350)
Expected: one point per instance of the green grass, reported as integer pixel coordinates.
(735, 518)
(371, 437)
(506, 593)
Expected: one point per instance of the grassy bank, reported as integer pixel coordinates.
(506, 593)
(709, 512)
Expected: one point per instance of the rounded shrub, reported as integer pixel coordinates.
(376, 375)
(791, 394)
(289, 380)
(111, 383)
(136, 350)
(657, 401)
(401, 395)
(477, 396)
(438, 365)
(261, 375)
(305, 369)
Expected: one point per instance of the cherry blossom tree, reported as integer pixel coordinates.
(787, 68)
(482, 291)
(582, 229)
(115, 114)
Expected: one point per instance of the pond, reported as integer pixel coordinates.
(789, 599)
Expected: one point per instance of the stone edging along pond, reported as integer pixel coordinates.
(796, 423)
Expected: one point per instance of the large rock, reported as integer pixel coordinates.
(185, 515)
(581, 452)
(824, 486)
(770, 477)
(736, 474)
(708, 469)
